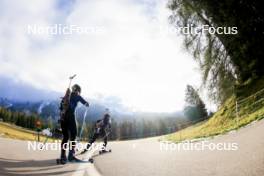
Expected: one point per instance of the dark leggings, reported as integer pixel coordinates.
(69, 131)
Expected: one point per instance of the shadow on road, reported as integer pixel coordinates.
(10, 167)
(97, 154)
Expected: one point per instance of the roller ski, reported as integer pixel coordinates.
(102, 151)
(73, 160)
(82, 152)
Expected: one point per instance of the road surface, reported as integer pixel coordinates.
(144, 157)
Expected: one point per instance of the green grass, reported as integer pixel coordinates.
(14, 132)
(225, 119)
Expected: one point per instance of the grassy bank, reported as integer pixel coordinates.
(230, 116)
(15, 132)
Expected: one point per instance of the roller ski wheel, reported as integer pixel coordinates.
(104, 151)
(91, 160)
(76, 160)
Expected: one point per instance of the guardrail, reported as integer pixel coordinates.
(256, 100)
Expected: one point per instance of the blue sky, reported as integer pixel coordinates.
(134, 57)
(65, 5)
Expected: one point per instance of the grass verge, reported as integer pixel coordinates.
(225, 119)
(14, 132)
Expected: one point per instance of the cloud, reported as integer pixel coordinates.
(133, 59)
(21, 91)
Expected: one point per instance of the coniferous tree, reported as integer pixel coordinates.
(226, 60)
(195, 108)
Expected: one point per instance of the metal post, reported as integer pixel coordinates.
(237, 115)
(179, 130)
(38, 135)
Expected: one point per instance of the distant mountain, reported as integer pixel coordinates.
(22, 97)
(50, 109)
(43, 108)
(21, 91)
(47, 109)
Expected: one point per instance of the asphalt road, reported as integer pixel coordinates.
(145, 157)
(16, 159)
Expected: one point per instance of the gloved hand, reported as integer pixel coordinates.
(87, 104)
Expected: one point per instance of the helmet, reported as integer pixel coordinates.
(76, 88)
(107, 110)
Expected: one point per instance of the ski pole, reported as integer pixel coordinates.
(83, 123)
(46, 140)
(71, 78)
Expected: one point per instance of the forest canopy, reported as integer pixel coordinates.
(226, 61)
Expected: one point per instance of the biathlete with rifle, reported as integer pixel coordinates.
(68, 123)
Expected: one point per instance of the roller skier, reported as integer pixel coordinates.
(102, 129)
(68, 123)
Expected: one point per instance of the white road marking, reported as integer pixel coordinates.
(134, 146)
(87, 169)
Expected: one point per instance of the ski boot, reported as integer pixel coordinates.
(62, 159)
(72, 158)
(86, 149)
